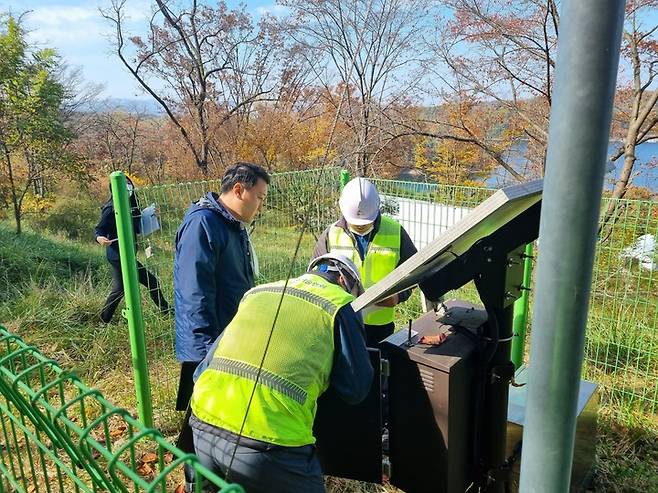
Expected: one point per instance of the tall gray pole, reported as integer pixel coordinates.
(587, 60)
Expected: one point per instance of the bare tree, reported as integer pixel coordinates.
(494, 52)
(118, 136)
(500, 51)
(636, 116)
(203, 66)
(372, 49)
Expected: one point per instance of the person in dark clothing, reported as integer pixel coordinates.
(106, 235)
(214, 266)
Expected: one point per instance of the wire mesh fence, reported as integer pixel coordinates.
(622, 344)
(58, 435)
(621, 351)
(293, 197)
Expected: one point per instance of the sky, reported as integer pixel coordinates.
(82, 37)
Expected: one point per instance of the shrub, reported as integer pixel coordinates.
(72, 217)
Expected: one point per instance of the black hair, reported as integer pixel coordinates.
(246, 173)
(132, 198)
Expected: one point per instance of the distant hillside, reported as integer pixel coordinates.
(148, 107)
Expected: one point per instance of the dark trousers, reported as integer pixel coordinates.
(272, 470)
(116, 294)
(185, 440)
(186, 384)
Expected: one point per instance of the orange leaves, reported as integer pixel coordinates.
(145, 470)
(149, 457)
(147, 465)
(117, 430)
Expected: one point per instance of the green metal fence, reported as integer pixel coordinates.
(292, 197)
(58, 435)
(621, 347)
(622, 343)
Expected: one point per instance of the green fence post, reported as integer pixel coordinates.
(133, 311)
(344, 178)
(521, 311)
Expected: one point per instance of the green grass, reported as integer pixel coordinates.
(51, 291)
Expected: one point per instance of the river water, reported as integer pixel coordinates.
(645, 173)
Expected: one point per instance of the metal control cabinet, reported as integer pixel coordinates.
(431, 399)
(349, 437)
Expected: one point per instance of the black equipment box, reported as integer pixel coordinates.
(431, 439)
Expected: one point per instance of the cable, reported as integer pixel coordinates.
(487, 353)
(297, 247)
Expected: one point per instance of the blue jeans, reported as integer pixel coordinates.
(273, 469)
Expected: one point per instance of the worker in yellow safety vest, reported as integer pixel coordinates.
(376, 243)
(255, 395)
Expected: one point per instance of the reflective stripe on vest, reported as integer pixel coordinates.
(296, 369)
(380, 260)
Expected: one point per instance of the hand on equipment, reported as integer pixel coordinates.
(390, 301)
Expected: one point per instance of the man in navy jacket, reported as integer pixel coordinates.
(214, 265)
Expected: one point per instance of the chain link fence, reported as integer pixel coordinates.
(293, 198)
(622, 341)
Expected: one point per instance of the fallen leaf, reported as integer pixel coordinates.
(117, 431)
(180, 489)
(144, 470)
(168, 457)
(434, 340)
(149, 457)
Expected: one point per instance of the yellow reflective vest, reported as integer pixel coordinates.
(295, 371)
(380, 260)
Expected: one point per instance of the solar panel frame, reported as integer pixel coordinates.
(492, 214)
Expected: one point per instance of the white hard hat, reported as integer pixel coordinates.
(359, 202)
(344, 266)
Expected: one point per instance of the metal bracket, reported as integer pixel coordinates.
(385, 367)
(504, 372)
(386, 468)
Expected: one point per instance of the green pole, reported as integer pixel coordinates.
(133, 311)
(579, 129)
(344, 178)
(521, 311)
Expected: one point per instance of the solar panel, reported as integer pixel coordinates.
(495, 212)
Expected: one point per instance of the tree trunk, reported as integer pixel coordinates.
(621, 186)
(17, 215)
(14, 198)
